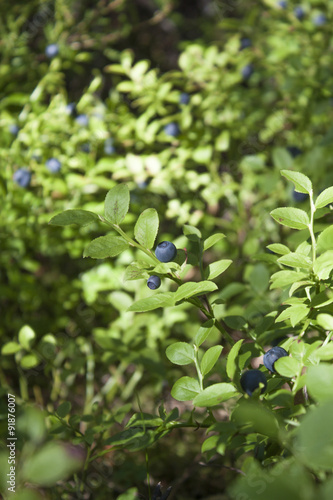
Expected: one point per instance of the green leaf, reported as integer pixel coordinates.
(325, 239)
(117, 203)
(192, 288)
(79, 217)
(10, 348)
(281, 158)
(215, 394)
(135, 272)
(291, 217)
(325, 321)
(209, 242)
(313, 443)
(324, 198)
(180, 353)
(324, 265)
(278, 248)
(287, 366)
(192, 233)
(293, 259)
(63, 409)
(256, 418)
(302, 182)
(29, 361)
(210, 358)
(105, 246)
(146, 227)
(26, 337)
(294, 313)
(185, 389)
(165, 299)
(282, 279)
(324, 353)
(50, 464)
(217, 268)
(231, 360)
(203, 332)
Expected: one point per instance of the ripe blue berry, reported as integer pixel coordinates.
(294, 151)
(247, 71)
(22, 177)
(245, 43)
(70, 108)
(153, 282)
(299, 197)
(319, 20)
(172, 129)
(184, 98)
(52, 50)
(82, 120)
(85, 147)
(283, 4)
(53, 165)
(250, 381)
(299, 12)
(272, 355)
(14, 129)
(166, 251)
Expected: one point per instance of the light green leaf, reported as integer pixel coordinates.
(117, 203)
(291, 217)
(29, 361)
(79, 217)
(180, 353)
(293, 259)
(294, 313)
(302, 182)
(324, 198)
(210, 358)
(324, 265)
(325, 321)
(278, 248)
(209, 242)
(165, 299)
(203, 332)
(231, 360)
(134, 272)
(325, 239)
(105, 246)
(217, 268)
(26, 337)
(185, 389)
(10, 348)
(287, 366)
(281, 158)
(192, 288)
(146, 228)
(282, 279)
(215, 394)
(324, 353)
(192, 233)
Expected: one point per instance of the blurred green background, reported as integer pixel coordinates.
(197, 107)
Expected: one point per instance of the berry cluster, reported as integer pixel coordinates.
(165, 252)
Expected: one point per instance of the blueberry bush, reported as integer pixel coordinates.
(167, 249)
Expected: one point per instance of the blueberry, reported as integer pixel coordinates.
(283, 4)
(272, 355)
(166, 251)
(85, 147)
(294, 151)
(53, 165)
(70, 108)
(299, 197)
(184, 98)
(319, 20)
(172, 129)
(52, 50)
(14, 129)
(247, 71)
(108, 147)
(22, 177)
(82, 120)
(250, 381)
(153, 282)
(299, 12)
(245, 43)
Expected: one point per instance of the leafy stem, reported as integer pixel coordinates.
(196, 362)
(311, 230)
